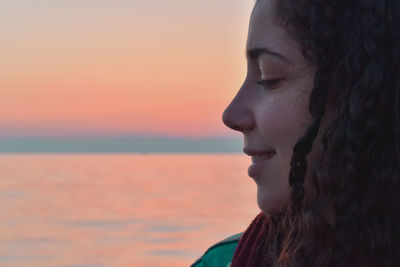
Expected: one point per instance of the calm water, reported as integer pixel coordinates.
(120, 210)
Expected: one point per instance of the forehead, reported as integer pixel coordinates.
(264, 31)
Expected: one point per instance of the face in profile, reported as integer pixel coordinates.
(271, 107)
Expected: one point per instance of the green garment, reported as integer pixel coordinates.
(220, 254)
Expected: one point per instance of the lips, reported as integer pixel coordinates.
(258, 152)
(259, 158)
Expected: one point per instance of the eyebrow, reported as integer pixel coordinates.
(255, 53)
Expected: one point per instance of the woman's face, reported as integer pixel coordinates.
(271, 107)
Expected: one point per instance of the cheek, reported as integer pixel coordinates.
(281, 124)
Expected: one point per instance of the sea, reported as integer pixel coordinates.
(97, 210)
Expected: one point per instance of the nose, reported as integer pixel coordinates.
(238, 115)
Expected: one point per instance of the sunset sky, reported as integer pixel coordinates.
(120, 67)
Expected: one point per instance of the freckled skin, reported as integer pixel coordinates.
(276, 116)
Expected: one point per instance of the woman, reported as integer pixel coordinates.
(320, 114)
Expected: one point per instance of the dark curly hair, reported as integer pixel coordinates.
(355, 104)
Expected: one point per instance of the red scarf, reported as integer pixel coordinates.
(249, 250)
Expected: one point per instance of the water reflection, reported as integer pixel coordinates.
(120, 210)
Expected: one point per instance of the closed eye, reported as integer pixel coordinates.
(269, 83)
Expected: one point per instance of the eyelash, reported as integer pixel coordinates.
(269, 83)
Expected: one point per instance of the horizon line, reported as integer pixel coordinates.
(125, 144)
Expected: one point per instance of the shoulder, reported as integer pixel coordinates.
(219, 254)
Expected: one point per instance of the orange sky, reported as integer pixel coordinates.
(85, 67)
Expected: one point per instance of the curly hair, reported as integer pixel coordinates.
(355, 47)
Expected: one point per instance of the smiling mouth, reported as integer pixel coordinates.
(261, 158)
(259, 162)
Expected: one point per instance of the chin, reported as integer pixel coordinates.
(270, 204)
